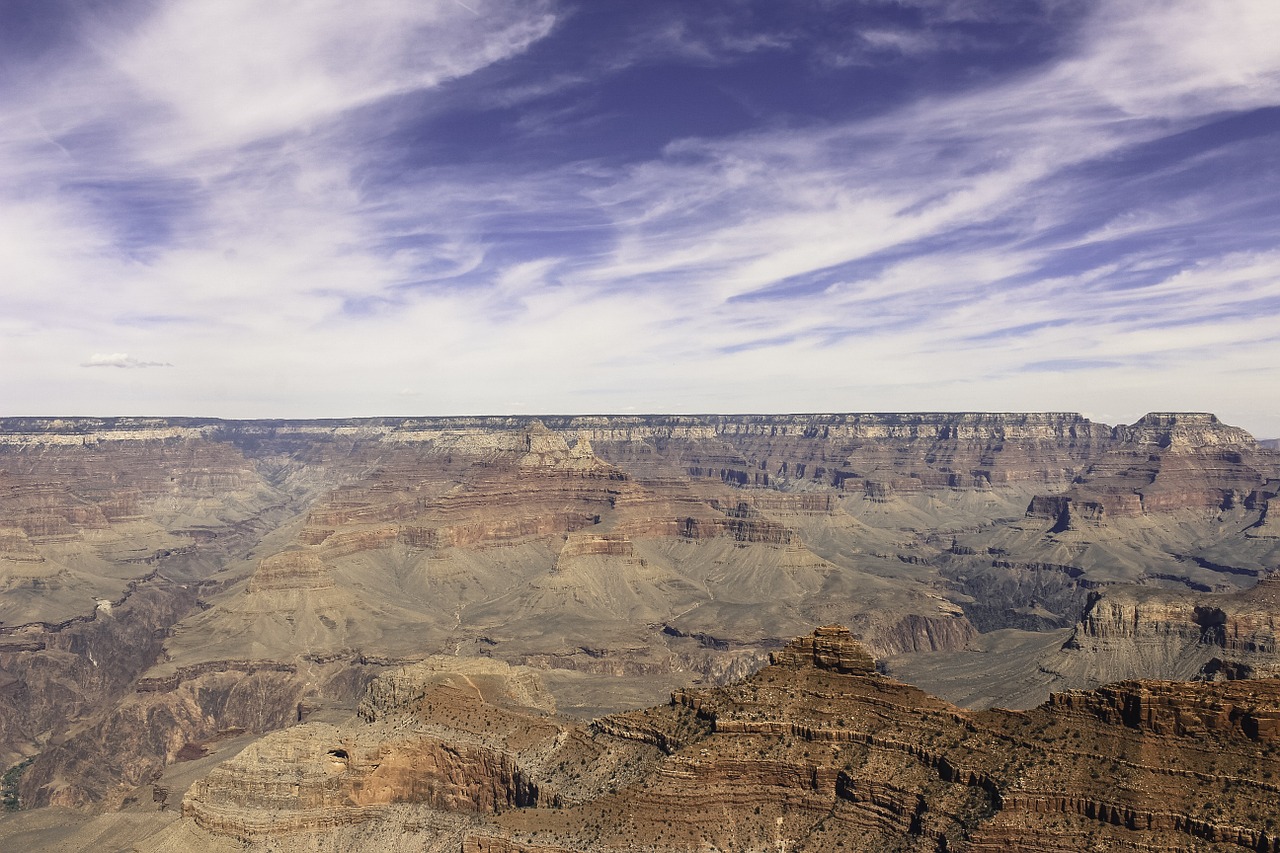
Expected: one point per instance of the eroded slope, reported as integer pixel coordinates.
(285, 564)
(817, 751)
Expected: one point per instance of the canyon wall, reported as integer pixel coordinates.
(168, 583)
(815, 752)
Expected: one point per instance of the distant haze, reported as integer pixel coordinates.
(327, 209)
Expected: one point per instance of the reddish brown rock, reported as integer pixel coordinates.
(291, 570)
(672, 547)
(832, 647)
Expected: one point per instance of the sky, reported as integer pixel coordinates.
(319, 208)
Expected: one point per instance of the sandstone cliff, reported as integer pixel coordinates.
(1130, 633)
(285, 564)
(816, 752)
(1165, 462)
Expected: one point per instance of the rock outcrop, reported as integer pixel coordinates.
(1131, 633)
(815, 752)
(832, 648)
(243, 575)
(291, 570)
(455, 735)
(1163, 463)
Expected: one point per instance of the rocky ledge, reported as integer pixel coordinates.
(1132, 632)
(815, 752)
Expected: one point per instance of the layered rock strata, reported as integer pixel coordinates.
(298, 559)
(815, 752)
(1163, 463)
(1130, 633)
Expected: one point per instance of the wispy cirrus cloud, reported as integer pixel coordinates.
(235, 72)
(492, 206)
(192, 161)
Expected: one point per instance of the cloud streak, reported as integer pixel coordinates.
(122, 360)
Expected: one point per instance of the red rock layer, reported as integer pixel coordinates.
(816, 752)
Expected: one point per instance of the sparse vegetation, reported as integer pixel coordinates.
(9, 785)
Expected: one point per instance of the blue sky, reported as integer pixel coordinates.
(318, 208)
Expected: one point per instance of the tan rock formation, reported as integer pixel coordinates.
(442, 734)
(286, 563)
(1134, 633)
(817, 752)
(291, 570)
(831, 647)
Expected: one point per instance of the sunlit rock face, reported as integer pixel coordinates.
(817, 750)
(168, 583)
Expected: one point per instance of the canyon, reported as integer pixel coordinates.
(493, 633)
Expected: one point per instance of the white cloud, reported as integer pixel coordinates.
(120, 359)
(237, 108)
(1174, 58)
(907, 244)
(232, 71)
